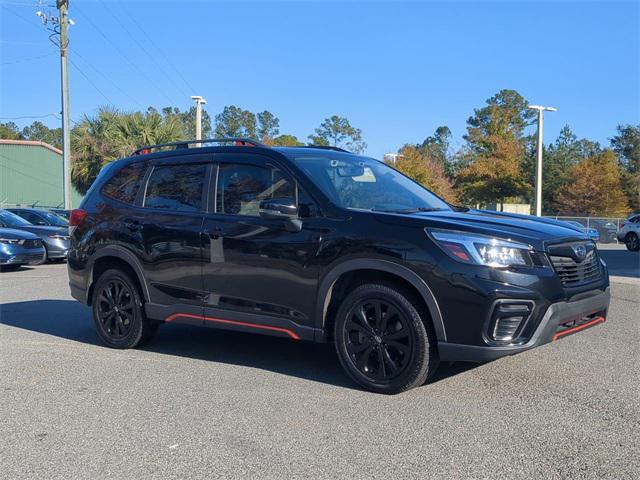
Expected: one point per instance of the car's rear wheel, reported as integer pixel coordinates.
(383, 338)
(118, 311)
(632, 242)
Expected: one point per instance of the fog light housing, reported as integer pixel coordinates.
(508, 319)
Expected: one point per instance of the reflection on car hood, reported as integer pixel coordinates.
(43, 231)
(17, 234)
(528, 229)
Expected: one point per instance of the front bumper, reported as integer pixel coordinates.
(553, 325)
(22, 256)
(57, 249)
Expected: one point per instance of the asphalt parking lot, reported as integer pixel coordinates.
(208, 404)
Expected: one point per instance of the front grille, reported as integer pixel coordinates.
(574, 274)
(32, 243)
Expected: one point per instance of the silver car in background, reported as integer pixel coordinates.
(54, 239)
(629, 233)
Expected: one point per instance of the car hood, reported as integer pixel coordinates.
(43, 231)
(535, 231)
(16, 234)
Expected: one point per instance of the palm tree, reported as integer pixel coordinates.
(111, 134)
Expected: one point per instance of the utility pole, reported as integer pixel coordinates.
(63, 6)
(58, 29)
(199, 102)
(540, 109)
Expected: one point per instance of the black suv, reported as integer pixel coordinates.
(320, 244)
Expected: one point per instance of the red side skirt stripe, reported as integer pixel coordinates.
(291, 334)
(568, 331)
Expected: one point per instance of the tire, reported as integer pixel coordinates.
(118, 311)
(10, 268)
(384, 338)
(632, 242)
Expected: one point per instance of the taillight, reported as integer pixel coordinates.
(76, 218)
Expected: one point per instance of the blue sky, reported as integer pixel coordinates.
(397, 69)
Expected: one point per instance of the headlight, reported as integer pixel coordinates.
(55, 236)
(10, 241)
(481, 250)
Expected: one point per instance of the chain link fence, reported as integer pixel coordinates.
(601, 229)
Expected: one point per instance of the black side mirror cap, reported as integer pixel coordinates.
(278, 208)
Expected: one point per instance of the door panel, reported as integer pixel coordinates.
(253, 265)
(170, 225)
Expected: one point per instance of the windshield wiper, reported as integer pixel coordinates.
(407, 210)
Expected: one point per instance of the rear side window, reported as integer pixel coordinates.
(176, 187)
(125, 184)
(242, 187)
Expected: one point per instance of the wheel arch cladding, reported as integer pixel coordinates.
(358, 268)
(113, 257)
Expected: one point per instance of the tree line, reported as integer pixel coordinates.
(495, 164)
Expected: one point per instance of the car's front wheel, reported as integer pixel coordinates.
(10, 268)
(383, 338)
(632, 242)
(118, 311)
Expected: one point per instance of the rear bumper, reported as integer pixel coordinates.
(78, 293)
(555, 323)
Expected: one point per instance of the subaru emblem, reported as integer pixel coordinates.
(580, 252)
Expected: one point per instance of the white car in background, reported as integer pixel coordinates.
(629, 233)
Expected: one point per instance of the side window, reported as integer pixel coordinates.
(176, 187)
(125, 184)
(241, 188)
(34, 218)
(306, 206)
(28, 216)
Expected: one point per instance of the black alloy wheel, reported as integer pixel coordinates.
(384, 338)
(115, 309)
(379, 339)
(118, 311)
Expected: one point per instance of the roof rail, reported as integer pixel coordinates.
(237, 141)
(327, 147)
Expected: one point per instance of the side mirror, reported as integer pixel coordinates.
(278, 208)
(284, 209)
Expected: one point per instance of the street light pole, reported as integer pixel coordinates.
(199, 102)
(540, 109)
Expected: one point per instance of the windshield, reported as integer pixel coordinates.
(362, 183)
(9, 219)
(54, 219)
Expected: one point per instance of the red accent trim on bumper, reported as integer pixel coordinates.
(568, 331)
(172, 317)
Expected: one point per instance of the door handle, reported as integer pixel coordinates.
(133, 225)
(213, 233)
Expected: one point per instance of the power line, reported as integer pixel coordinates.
(142, 47)
(28, 59)
(99, 72)
(166, 57)
(24, 19)
(90, 81)
(16, 4)
(124, 56)
(31, 116)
